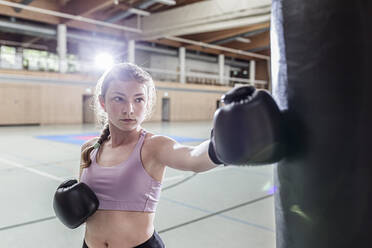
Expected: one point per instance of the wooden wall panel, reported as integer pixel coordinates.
(56, 103)
(189, 102)
(61, 104)
(19, 104)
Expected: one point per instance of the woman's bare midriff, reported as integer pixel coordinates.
(118, 229)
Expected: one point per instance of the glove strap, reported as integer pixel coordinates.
(212, 154)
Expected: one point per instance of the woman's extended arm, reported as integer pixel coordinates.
(182, 157)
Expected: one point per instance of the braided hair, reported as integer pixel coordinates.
(85, 155)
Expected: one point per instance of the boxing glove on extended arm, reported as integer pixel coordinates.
(74, 202)
(247, 130)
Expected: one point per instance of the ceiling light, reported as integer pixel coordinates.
(244, 40)
(166, 2)
(138, 12)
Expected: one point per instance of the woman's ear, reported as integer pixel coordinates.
(102, 102)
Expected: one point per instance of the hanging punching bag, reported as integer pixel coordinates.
(321, 72)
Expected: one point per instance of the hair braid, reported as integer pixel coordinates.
(85, 155)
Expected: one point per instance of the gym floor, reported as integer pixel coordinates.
(225, 207)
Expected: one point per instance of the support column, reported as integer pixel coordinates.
(252, 71)
(62, 47)
(221, 63)
(182, 62)
(131, 51)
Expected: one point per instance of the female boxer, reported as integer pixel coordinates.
(125, 166)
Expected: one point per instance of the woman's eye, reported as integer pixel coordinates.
(139, 99)
(117, 98)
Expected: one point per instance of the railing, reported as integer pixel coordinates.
(201, 78)
(35, 60)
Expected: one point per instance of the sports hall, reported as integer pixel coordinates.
(305, 66)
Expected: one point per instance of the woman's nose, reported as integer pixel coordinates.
(128, 109)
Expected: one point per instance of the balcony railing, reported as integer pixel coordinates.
(35, 60)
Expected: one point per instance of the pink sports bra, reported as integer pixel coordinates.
(126, 186)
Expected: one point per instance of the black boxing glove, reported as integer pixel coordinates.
(247, 130)
(74, 202)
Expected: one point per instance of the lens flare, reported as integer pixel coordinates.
(103, 61)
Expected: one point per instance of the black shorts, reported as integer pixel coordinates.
(154, 242)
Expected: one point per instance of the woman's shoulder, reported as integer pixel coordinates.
(154, 146)
(157, 144)
(157, 139)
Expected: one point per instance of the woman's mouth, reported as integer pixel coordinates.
(128, 120)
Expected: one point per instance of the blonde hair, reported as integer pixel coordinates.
(123, 72)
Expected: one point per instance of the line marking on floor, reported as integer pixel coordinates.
(218, 214)
(38, 172)
(27, 223)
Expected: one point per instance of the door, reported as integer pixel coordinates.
(165, 107)
(88, 113)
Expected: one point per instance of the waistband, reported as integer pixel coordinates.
(154, 241)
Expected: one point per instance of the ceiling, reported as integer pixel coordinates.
(238, 29)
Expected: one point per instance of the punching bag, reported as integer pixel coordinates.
(321, 73)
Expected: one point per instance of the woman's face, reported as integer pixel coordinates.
(125, 104)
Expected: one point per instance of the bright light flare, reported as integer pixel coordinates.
(103, 61)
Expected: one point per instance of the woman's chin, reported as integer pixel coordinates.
(128, 126)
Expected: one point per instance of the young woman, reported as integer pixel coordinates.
(125, 166)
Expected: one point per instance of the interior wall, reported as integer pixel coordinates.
(188, 102)
(39, 101)
(61, 104)
(20, 104)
